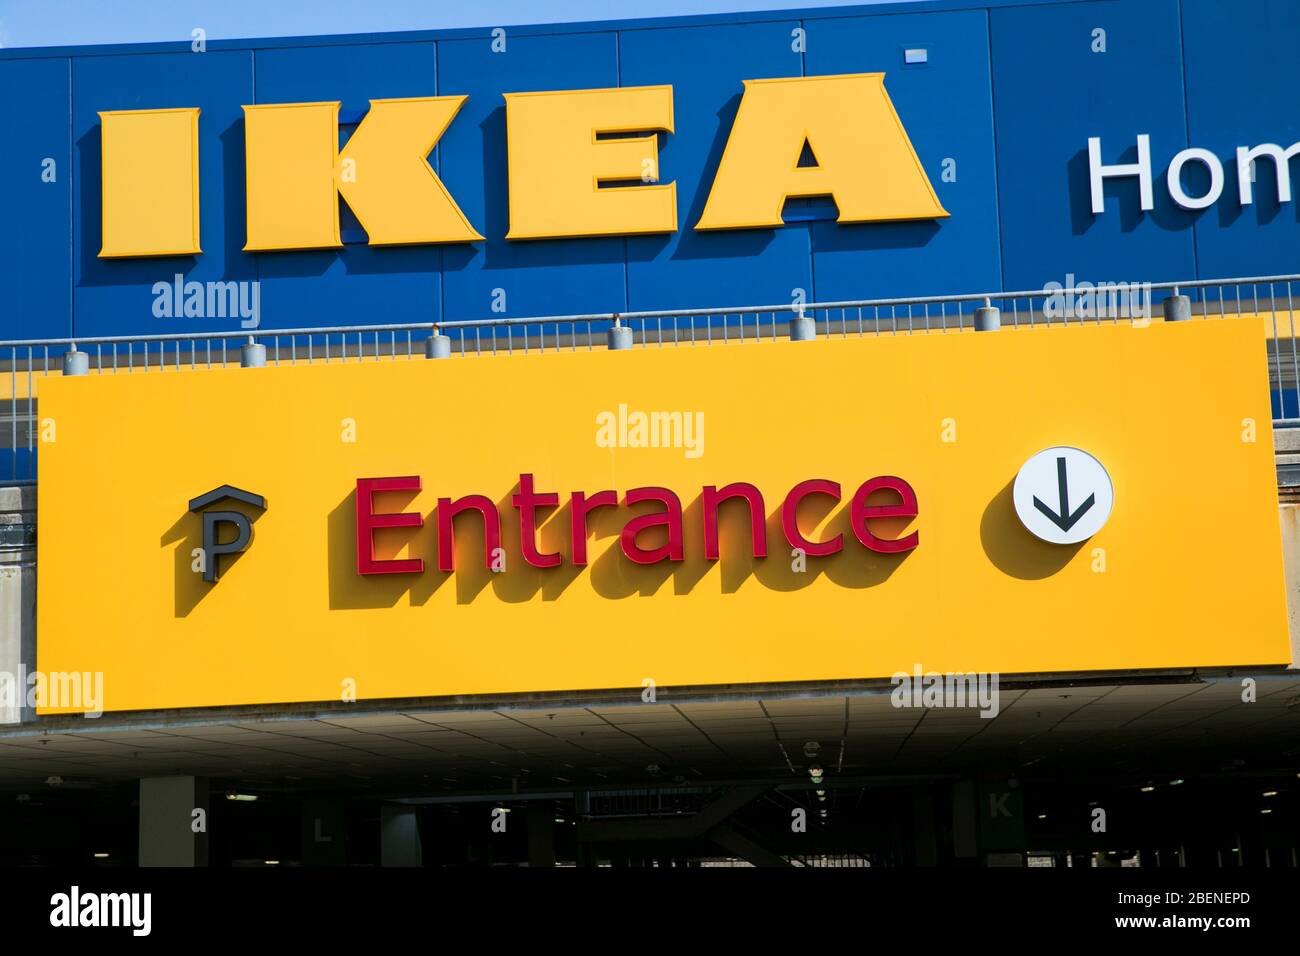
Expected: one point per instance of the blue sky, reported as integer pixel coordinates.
(31, 23)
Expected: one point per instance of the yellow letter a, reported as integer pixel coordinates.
(864, 159)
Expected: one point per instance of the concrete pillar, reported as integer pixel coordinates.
(174, 821)
(802, 328)
(17, 599)
(925, 840)
(75, 362)
(323, 828)
(541, 834)
(437, 346)
(1000, 815)
(620, 337)
(399, 836)
(988, 319)
(1178, 308)
(1290, 519)
(965, 825)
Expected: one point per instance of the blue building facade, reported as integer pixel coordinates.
(1000, 113)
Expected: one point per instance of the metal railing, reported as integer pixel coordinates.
(1271, 298)
(659, 802)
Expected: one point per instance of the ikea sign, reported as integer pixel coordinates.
(581, 163)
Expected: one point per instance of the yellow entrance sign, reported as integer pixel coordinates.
(1186, 571)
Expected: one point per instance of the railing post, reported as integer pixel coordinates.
(1178, 308)
(437, 345)
(802, 327)
(75, 362)
(620, 336)
(252, 355)
(988, 318)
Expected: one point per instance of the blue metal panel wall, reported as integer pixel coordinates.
(358, 284)
(1011, 92)
(1242, 90)
(945, 106)
(1051, 92)
(689, 269)
(537, 277)
(114, 296)
(36, 241)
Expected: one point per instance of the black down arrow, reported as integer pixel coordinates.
(1063, 519)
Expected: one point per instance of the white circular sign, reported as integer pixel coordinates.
(1063, 495)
